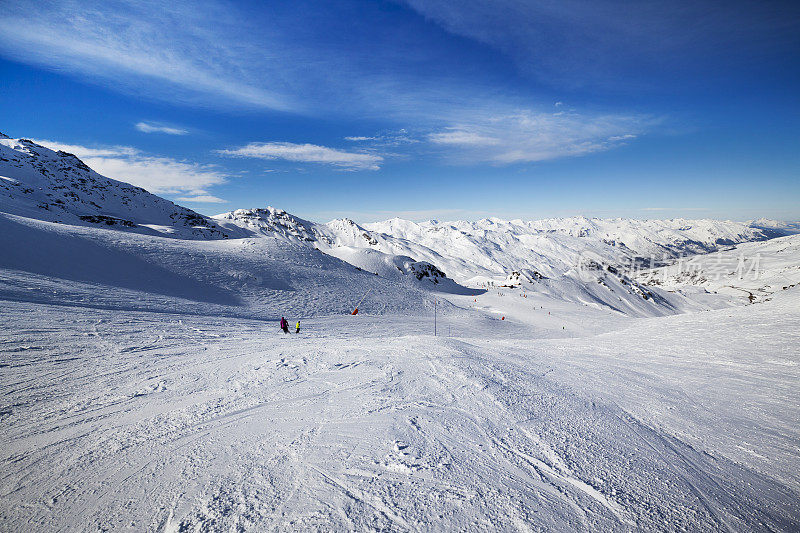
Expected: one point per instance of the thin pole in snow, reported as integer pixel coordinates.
(362, 300)
(434, 317)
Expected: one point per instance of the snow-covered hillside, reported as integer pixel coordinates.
(575, 259)
(39, 183)
(122, 420)
(72, 236)
(337, 239)
(257, 277)
(751, 272)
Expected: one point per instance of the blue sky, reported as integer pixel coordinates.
(420, 108)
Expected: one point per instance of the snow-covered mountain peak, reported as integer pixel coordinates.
(345, 232)
(55, 186)
(341, 238)
(767, 223)
(344, 223)
(269, 221)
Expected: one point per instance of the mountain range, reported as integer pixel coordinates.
(578, 259)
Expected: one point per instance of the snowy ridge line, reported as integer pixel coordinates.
(55, 186)
(494, 247)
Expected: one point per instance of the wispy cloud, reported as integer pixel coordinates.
(518, 136)
(462, 137)
(159, 175)
(307, 153)
(211, 53)
(497, 134)
(173, 51)
(626, 137)
(674, 209)
(419, 215)
(202, 198)
(146, 127)
(387, 138)
(609, 42)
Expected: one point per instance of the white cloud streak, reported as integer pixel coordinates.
(146, 127)
(674, 209)
(420, 215)
(202, 198)
(387, 138)
(210, 53)
(461, 137)
(521, 136)
(159, 175)
(307, 153)
(174, 51)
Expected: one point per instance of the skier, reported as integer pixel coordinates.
(284, 325)
(297, 327)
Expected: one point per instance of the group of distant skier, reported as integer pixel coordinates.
(285, 326)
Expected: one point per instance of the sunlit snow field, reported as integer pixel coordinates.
(158, 421)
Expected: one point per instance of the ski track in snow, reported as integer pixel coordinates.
(150, 421)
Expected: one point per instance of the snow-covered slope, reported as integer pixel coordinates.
(39, 183)
(144, 384)
(342, 239)
(163, 422)
(751, 272)
(260, 277)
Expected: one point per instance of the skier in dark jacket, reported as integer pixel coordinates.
(284, 325)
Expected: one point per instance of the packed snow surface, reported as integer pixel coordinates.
(173, 422)
(499, 376)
